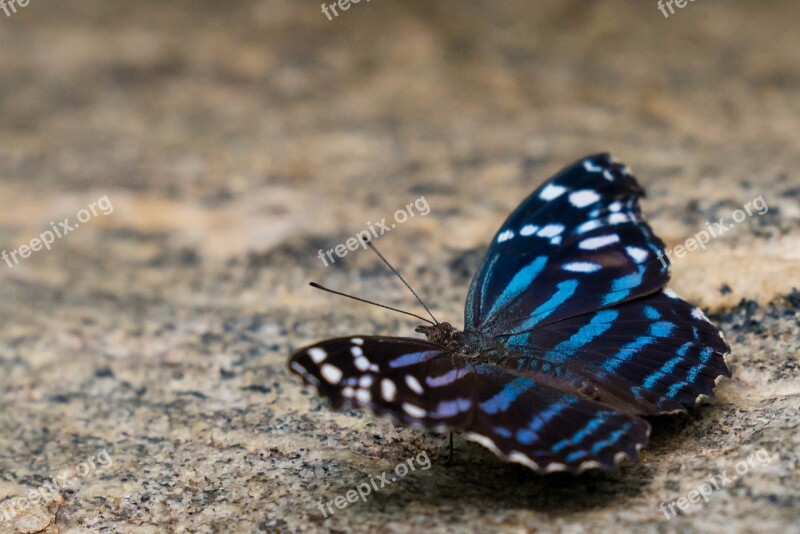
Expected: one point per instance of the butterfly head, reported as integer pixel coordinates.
(441, 333)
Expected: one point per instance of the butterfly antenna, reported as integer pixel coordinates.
(389, 265)
(317, 286)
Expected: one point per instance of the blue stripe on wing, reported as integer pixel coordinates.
(413, 358)
(564, 290)
(598, 324)
(510, 392)
(521, 281)
(531, 433)
(668, 367)
(691, 376)
(623, 286)
(630, 350)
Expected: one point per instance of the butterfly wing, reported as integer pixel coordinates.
(405, 378)
(655, 354)
(526, 420)
(517, 416)
(576, 244)
(585, 297)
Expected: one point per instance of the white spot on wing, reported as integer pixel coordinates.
(555, 467)
(528, 229)
(413, 410)
(552, 191)
(505, 236)
(670, 293)
(581, 267)
(551, 230)
(638, 254)
(356, 351)
(588, 464)
(619, 218)
(330, 373)
(588, 226)
(357, 341)
(365, 381)
(414, 385)
(583, 198)
(361, 363)
(363, 396)
(520, 458)
(317, 354)
(388, 390)
(589, 166)
(485, 441)
(593, 243)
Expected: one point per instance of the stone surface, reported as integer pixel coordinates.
(236, 139)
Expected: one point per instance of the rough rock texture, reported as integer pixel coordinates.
(236, 139)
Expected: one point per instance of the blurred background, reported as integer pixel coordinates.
(223, 144)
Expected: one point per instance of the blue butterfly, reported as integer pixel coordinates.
(570, 336)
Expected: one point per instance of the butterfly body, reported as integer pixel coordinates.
(470, 343)
(570, 336)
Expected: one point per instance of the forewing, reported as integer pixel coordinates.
(576, 244)
(655, 354)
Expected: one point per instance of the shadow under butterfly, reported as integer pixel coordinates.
(570, 337)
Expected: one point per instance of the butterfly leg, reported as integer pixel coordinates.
(450, 455)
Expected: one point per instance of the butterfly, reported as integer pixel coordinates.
(570, 337)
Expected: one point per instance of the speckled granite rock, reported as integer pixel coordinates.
(236, 139)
